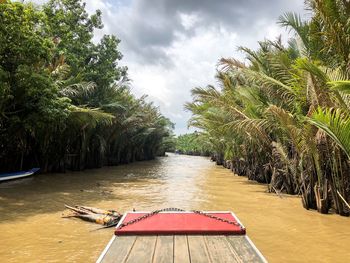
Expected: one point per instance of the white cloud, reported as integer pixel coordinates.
(188, 21)
(193, 61)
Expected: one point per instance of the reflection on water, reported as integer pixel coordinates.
(32, 230)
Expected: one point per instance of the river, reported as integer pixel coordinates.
(32, 230)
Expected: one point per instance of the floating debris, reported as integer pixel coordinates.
(108, 218)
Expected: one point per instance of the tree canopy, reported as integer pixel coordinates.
(64, 100)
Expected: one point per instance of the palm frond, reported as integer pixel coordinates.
(336, 124)
(226, 64)
(294, 22)
(89, 117)
(78, 89)
(342, 86)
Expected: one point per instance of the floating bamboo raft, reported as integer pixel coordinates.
(180, 237)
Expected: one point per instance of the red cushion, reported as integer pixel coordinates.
(180, 223)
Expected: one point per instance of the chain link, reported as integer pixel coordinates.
(172, 209)
(218, 218)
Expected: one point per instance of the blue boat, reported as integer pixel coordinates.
(16, 175)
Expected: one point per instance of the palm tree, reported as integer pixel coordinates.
(260, 119)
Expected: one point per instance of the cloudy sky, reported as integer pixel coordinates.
(171, 46)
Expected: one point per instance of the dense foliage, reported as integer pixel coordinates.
(192, 144)
(283, 118)
(64, 101)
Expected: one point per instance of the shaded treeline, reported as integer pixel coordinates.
(64, 101)
(282, 116)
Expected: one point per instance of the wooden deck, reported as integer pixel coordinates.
(180, 249)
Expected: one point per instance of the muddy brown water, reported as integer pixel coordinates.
(32, 230)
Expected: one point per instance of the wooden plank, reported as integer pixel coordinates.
(119, 249)
(220, 250)
(244, 249)
(180, 248)
(164, 250)
(198, 249)
(181, 252)
(143, 249)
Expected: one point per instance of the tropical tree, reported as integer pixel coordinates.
(282, 117)
(64, 101)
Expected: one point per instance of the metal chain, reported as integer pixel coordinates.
(140, 218)
(217, 218)
(149, 215)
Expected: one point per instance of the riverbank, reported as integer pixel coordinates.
(34, 231)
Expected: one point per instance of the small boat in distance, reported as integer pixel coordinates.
(17, 175)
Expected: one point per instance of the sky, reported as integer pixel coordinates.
(172, 46)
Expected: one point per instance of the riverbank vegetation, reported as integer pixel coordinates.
(193, 144)
(64, 101)
(282, 116)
